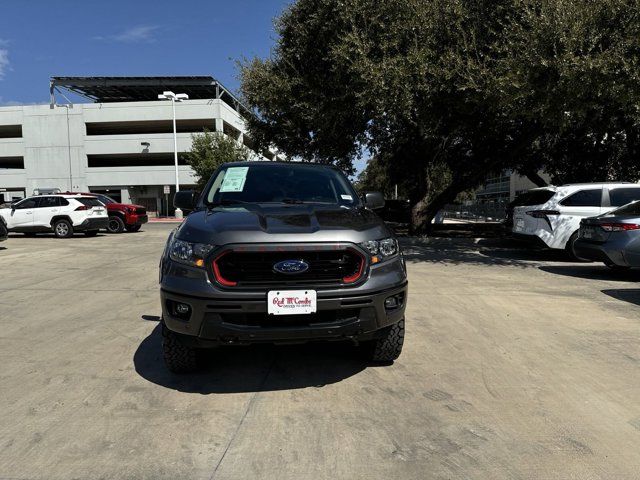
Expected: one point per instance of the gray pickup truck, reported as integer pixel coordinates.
(280, 253)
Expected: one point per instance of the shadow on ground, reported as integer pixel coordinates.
(256, 368)
(593, 271)
(631, 295)
(486, 251)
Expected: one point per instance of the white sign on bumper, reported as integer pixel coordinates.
(291, 302)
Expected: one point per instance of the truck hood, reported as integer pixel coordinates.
(121, 206)
(282, 223)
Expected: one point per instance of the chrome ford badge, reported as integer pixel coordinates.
(291, 267)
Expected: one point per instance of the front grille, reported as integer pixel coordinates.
(263, 320)
(326, 267)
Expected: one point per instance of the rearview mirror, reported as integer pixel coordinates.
(373, 200)
(185, 200)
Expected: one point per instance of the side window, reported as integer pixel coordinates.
(28, 203)
(48, 202)
(63, 202)
(622, 196)
(584, 198)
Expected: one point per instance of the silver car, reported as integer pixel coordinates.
(612, 238)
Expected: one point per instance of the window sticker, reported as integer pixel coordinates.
(347, 197)
(234, 179)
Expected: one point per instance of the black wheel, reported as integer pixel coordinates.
(570, 249)
(63, 229)
(388, 347)
(116, 225)
(133, 228)
(91, 233)
(178, 358)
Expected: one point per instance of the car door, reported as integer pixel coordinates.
(584, 203)
(21, 215)
(619, 196)
(46, 209)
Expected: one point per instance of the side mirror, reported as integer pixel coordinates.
(185, 200)
(373, 200)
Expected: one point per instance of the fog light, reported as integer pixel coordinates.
(393, 302)
(182, 308)
(179, 309)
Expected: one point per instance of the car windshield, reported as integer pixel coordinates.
(104, 199)
(630, 210)
(280, 183)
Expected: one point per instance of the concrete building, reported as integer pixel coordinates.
(121, 144)
(505, 187)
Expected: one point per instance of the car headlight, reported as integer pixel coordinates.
(189, 253)
(380, 250)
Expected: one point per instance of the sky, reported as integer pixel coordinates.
(40, 39)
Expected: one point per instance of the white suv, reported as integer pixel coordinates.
(552, 215)
(60, 214)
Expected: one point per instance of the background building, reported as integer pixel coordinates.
(505, 187)
(121, 144)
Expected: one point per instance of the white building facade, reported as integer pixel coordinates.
(124, 149)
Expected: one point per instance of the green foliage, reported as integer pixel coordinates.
(444, 92)
(210, 150)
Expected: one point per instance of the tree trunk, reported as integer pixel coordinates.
(425, 210)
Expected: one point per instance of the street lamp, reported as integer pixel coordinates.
(175, 98)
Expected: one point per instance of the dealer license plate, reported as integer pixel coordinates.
(291, 302)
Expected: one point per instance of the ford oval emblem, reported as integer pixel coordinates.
(290, 267)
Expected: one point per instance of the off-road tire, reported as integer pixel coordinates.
(63, 229)
(388, 347)
(91, 233)
(116, 225)
(178, 358)
(133, 228)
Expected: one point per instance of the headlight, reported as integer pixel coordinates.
(189, 253)
(380, 250)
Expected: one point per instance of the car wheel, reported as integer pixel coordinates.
(63, 229)
(388, 347)
(116, 225)
(570, 248)
(133, 228)
(91, 233)
(178, 358)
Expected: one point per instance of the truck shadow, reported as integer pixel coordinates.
(256, 368)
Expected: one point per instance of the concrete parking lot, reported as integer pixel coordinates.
(517, 365)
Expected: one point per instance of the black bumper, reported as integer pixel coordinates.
(139, 220)
(215, 321)
(92, 224)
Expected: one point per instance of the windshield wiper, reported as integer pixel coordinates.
(226, 201)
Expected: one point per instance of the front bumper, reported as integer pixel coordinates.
(134, 219)
(240, 317)
(611, 252)
(92, 224)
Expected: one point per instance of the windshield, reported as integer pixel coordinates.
(281, 183)
(630, 210)
(106, 200)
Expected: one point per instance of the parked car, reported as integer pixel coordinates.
(280, 252)
(4, 233)
(551, 216)
(122, 216)
(612, 238)
(61, 214)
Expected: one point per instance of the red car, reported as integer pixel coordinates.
(122, 216)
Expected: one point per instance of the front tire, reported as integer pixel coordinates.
(387, 348)
(178, 358)
(116, 225)
(133, 228)
(63, 229)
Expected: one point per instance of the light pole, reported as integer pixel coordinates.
(175, 98)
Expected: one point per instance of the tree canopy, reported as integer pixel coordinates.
(444, 92)
(209, 150)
